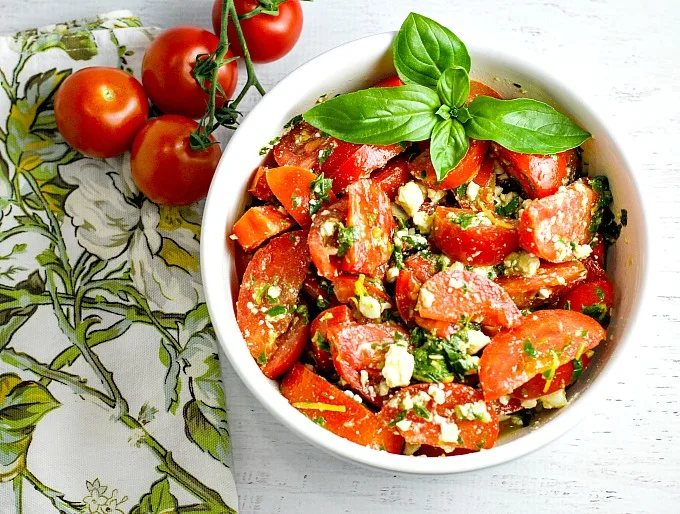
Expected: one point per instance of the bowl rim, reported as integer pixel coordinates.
(344, 449)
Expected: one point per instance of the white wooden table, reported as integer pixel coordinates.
(625, 56)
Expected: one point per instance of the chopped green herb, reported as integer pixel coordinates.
(600, 293)
(509, 209)
(327, 286)
(382, 448)
(529, 349)
(578, 369)
(320, 420)
(275, 311)
(598, 311)
(265, 149)
(302, 311)
(295, 200)
(464, 219)
(461, 190)
(584, 333)
(325, 154)
(624, 217)
(262, 359)
(320, 188)
(320, 342)
(401, 415)
(293, 121)
(322, 303)
(421, 412)
(567, 305)
(346, 238)
(548, 374)
(437, 359)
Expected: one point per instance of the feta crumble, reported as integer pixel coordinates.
(399, 365)
(410, 198)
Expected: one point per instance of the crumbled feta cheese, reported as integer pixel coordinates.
(422, 398)
(449, 432)
(274, 291)
(423, 221)
(485, 271)
(399, 365)
(528, 404)
(521, 263)
(327, 228)
(472, 191)
(392, 274)
(582, 251)
(410, 197)
(411, 449)
(233, 237)
(353, 396)
(406, 402)
(435, 196)
(555, 400)
(544, 293)
(458, 266)
(478, 220)
(404, 424)
(397, 211)
(383, 388)
(472, 411)
(363, 374)
(426, 297)
(562, 250)
(476, 341)
(370, 307)
(504, 400)
(437, 394)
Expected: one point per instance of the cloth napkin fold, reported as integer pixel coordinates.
(111, 397)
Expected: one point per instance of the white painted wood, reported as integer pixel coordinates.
(624, 55)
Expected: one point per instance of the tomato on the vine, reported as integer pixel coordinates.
(164, 166)
(268, 37)
(167, 71)
(99, 110)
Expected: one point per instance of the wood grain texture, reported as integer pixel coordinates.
(623, 55)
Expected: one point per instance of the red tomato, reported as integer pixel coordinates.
(318, 294)
(269, 292)
(595, 263)
(289, 348)
(303, 145)
(370, 215)
(164, 166)
(167, 71)
(452, 295)
(483, 245)
(598, 251)
(539, 386)
(259, 224)
(539, 175)
(552, 226)
(406, 290)
(292, 187)
(241, 260)
(473, 434)
(99, 111)
(319, 331)
(550, 282)
(330, 408)
(392, 176)
(592, 298)
(479, 89)
(360, 349)
(508, 406)
(545, 340)
(324, 249)
(486, 180)
(394, 81)
(268, 37)
(345, 289)
(422, 169)
(259, 187)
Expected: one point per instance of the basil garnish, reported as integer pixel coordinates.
(434, 65)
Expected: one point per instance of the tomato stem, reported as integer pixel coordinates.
(250, 69)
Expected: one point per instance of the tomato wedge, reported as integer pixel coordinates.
(303, 146)
(324, 248)
(563, 377)
(477, 245)
(370, 217)
(259, 224)
(422, 169)
(553, 226)
(394, 81)
(392, 176)
(453, 295)
(319, 332)
(330, 408)
(544, 341)
(481, 89)
(549, 283)
(439, 424)
(594, 298)
(359, 352)
(292, 187)
(259, 187)
(486, 180)
(319, 295)
(539, 175)
(289, 347)
(595, 263)
(269, 292)
(345, 287)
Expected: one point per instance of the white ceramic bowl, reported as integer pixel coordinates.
(356, 65)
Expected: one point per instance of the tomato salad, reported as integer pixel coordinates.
(414, 311)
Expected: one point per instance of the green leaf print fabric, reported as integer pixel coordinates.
(111, 397)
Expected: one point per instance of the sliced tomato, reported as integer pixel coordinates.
(595, 262)
(454, 295)
(392, 176)
(324, 249)
(292, 187)
(319, 333)
(539, 175)
(346, 163)
(422, 169)
(544, 341)
(480, 89)
(426, 421)
(442, 329)
(370, 216)
(283, 263)
(486, 180)
(330, 408)
(507, 406)
(259, 224)
(592, 298)
(394, 81)
(319, 295)
(345, 287)
(406, 290)
(303, 146)
(598, 251)
(482, 245)
(549, 283)
(359, 352)
(241, 260)
(539, 386)
(552, 226)
(259, 187)
(289, 348)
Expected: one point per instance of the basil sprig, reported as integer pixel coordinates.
(434, 65)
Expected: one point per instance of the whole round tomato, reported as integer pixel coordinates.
(99, 110)
(268, 37)
(164, 166)
(167, 71)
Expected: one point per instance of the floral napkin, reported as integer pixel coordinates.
(110, 391)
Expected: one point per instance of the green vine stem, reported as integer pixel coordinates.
(251, 80)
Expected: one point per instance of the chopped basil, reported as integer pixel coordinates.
(600, 293)
(322, 303)
(401, 415)
(567, 305)
(509, 209)
(262, 359)
(325, 154)
(320, 188)
(293, 121)
(578, 369)
(437, 359)
(529, 349)
(421, 412)
(320, 420)
(603, 219)
(275, 311)
(265, 149)
(346, 238)
(464, 219)
(320, 342)
(548, 374)
(598, 311)
(461, 190)
(302, 311)
(326, 286)
(296, 200)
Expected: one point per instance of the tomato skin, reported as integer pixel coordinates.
(356, 424)
(452, 294)
(486, 180)
(317, 294)
(284, 262)
(289, 348)
(406, 294)
(259, 187)
(334, 316)
(259, 224)
(476, 246)
(301, 146)
(422, 169)
(556, 278)
(100, 110)
(536, 387)
(345, 292)
(324, 251)
(167, 71)
(549, 226)
(474, 434)
(164, 166)
(268, 37)
(392, 176)
(505, 365)
(481, 89)
(241, 260)
(394, 81)
(595, 262)
(598, 293)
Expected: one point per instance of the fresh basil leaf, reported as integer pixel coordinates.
(448, 147)
(454, 86)
(423, 49)
(378, 116)
(523, 125)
